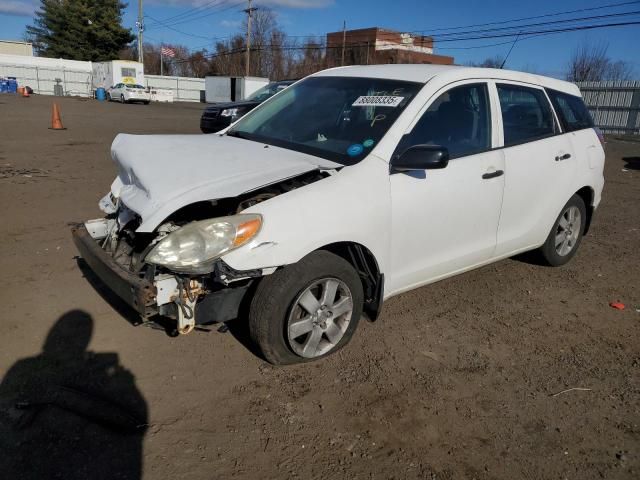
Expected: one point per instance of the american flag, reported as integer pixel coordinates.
(168, 52)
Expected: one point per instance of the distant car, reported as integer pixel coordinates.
(128, 93)
(221, 115)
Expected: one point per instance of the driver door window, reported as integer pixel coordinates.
(459, 120)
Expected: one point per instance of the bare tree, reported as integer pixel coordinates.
(491, 62)
(619, 70)
(590, 62)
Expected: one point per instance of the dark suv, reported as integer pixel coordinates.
(221, 115)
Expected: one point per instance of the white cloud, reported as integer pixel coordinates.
(230, 23)
(17, 7)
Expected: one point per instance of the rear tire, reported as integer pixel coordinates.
(565, 236)
(285, 331)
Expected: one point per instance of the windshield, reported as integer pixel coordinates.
(267, 91)
(337, 118)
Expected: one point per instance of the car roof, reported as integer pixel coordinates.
(423, 73)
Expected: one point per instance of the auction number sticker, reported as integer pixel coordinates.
(377, 101)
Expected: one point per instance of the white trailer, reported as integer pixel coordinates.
(231, 89)
(108, 74)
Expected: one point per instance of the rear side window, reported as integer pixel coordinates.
(526, 114)
(571, 110)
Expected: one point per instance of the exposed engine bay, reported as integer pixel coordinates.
(218, 295)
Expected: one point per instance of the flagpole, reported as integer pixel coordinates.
(161, 59)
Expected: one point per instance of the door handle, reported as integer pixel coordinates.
(497, 173)
(566, 156)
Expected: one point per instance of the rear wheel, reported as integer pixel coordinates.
(307, 310)
(565, 236)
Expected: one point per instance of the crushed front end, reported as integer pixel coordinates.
(116, 253)
(188, 293)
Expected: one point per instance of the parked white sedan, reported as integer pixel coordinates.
(349, 187)
(128, 93)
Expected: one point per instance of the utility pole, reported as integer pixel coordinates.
(140, 26)
(249, 11)
(344, 39)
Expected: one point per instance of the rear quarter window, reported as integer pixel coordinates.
(572, 112)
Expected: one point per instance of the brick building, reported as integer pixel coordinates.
(369, 46)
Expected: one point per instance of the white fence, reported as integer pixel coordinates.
(50, 80)
(614, 105)
(51, 76)
(185, 89)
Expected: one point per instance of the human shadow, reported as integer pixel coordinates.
(631, 163)
(70, 413)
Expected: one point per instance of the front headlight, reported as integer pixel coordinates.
(194, 247)
(229, 112)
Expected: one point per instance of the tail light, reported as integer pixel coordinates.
(600, 136)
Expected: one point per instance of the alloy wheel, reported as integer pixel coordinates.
(568, 231)
(319, 317)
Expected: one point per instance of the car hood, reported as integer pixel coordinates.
(159, 174)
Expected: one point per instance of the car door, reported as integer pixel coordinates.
(445, 221)
(539, 166)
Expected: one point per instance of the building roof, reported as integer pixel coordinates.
(450, 73)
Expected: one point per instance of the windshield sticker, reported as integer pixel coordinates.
(355, 150)
(377, 101)
(368, 143)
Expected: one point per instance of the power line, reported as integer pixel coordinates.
(198, 16)
(327, 47)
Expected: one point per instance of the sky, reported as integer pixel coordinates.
(545, 54)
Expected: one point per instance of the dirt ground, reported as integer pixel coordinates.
(459, 380)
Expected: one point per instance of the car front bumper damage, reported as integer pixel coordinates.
(189, 301)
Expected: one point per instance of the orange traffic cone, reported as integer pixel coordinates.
(56, 122)
(25, 92)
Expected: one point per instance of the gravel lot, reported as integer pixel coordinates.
(459, 380)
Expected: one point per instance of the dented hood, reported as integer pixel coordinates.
(159, 174)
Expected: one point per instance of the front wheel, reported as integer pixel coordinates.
(565, 236)
(307, 310)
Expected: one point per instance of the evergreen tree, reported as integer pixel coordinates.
(79, 29)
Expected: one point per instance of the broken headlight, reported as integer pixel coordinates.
(194, 247)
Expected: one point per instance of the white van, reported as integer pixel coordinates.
(351, 186)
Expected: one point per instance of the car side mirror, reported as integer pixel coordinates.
(420, 157)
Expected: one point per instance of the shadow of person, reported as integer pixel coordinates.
(70, 413)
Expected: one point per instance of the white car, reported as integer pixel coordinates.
(129, 93)
(349, 187)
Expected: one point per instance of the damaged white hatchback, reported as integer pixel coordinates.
(351, 186)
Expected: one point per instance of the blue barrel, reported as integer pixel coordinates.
(12, 85)
(4, 85)
(101, 94)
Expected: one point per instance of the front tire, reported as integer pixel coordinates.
(306, 311)
(565, 236)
